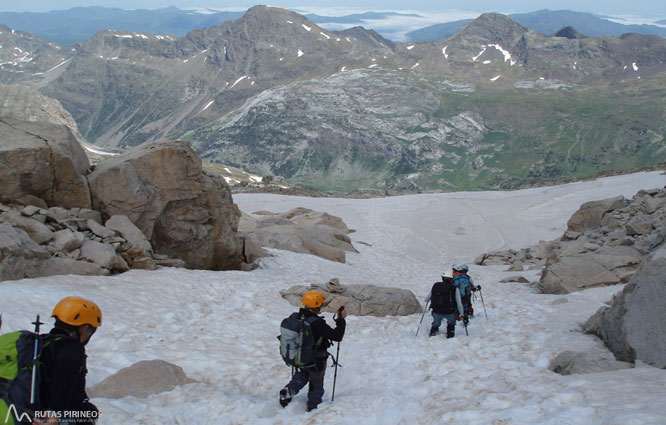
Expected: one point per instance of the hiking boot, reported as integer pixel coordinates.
(450, 331)
(433, 331)
(310, 407)
(285, 396)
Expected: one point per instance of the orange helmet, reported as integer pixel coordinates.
(77, 311)
(313, 299)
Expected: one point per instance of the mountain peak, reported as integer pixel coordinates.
(492, 27)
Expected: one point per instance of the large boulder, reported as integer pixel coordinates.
(590, 215)
(142, 379)
(183, 212)
(605, 266)
(44, 161)
(359, 300)
(299, 230)
(633, 326)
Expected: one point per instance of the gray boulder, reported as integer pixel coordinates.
(36, 230)
(183, 212)
(572, 362)
(132, 234)
(359, 300)
(19, 254)
(98, 253)
(67, 240)
(64, 266)
(571, 274)
(42, 160)
(633, 327)
(590, 214)
(99, 230)
(299, 230)
(141, 380)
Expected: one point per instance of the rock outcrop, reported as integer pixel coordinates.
(141, 380)
(633, 326)
(604, 244)
(299, 230)
(359, 300)
(44, 161)
(184, 212)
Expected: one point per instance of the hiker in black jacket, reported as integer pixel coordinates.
(323, 335)
(63, 385)
(445, 303)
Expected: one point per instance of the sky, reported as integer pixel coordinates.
(221, 327)
(643, 8)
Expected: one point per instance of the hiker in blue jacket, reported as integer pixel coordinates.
(323, 335)
(463, 281)
(445, 303)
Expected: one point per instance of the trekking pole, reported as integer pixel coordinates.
(337, 356)
(484, 304)
(424, 311)
(35, 362)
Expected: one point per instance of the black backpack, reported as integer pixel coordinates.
(443, 297)
(297, 342)
(16, 362)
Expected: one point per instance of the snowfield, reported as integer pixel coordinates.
(221, 327)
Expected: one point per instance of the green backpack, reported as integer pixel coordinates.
(17, 350)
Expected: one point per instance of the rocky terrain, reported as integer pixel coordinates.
(496, 105)
(154, 206)
(608, 242)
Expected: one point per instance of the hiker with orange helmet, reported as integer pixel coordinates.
(323, 335)
(62, 388)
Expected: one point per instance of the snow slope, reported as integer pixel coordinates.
(221, 326)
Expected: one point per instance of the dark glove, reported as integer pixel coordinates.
(478, 287)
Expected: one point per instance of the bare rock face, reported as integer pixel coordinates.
(633, 327)
(299, 230)
(359, 300)
(44, 161)
(183, 212)
(141, 380)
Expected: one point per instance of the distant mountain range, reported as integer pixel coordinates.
(496, 105)
(68, 27)
(546, 22)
